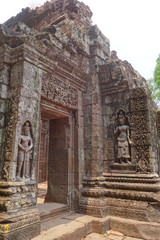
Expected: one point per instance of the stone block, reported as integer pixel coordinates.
(115, 237)
(97, 154)
(95, 236)
(136, 229)
(4, 75)
(1, 120)
(131, 238)
(2, 105)
(3, 91)
(97, 142)
(125, 168)
(22, 226)
(101, 225)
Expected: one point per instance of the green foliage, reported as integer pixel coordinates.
(154, 89)
(157, 73)
(154, 83)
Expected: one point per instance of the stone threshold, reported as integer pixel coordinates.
(78, 227)
(50, 210)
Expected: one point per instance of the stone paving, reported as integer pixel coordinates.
(109, 235)
(73, 226)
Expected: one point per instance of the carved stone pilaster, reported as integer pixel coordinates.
(144, 150)
(15, 199)
(19, 213)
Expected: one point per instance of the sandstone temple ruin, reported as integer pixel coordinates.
(75, 115)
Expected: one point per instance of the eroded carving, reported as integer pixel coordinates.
(58, 91)
(10, 133)
(11, 119)
(6, 171)
(67, 135)
(122, 135)
(25, 146)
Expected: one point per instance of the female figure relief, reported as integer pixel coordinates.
(24, 149)
(121, 132)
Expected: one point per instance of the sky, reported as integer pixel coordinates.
(132, 26)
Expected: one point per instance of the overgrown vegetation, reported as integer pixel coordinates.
(154, 83)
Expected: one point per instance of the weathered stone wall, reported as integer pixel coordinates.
(93, 141)
(122, 88)
(4, 82)
(124, 188)
(155, 151)
(115, 96)
(92, 105)
(55, 64)
(22, 104)
(54, 12)
(29, 105)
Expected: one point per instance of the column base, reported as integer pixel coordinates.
(23, 225)
(125, 168)
(133, 196)
(93, 207)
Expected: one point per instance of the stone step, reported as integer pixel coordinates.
(51, 210)
(109, 235)
(96, 236)
(80, 227)
(72, 227)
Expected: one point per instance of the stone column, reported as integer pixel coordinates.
(93, 139)
(19, 214)
(93, 151)
(93, 126)
(79, 148)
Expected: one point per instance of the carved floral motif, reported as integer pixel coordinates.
(139, 104)
(12, 117)
(140, 129)
(22, 221)
(58, 91)
(10, 134)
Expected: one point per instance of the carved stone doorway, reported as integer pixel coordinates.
(43, 161)
(55, 160)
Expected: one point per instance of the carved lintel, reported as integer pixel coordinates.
(60, 92)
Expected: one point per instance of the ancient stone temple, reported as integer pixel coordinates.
(74, 115)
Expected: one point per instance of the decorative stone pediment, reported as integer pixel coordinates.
(60, 92)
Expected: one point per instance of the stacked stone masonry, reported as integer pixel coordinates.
(73, 114)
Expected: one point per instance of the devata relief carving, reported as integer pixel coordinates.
(79, 119)
(121, 133)
(25, 146)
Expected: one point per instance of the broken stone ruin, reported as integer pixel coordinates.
(79, 132)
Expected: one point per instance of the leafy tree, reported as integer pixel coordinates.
(157, 73)
(154, 83)
(155, 90)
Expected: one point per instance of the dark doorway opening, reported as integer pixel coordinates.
(53, 170)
